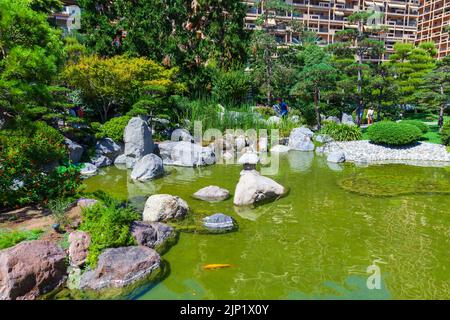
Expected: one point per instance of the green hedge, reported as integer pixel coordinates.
(393, 133)
(113, 128)
(445, 133)
(419, 124)
(341, 132)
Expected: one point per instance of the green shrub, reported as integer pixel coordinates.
(393, 133)
(341, 132)
(58, 207)
(265, 111)
(9, 238)
(231, 87)
(108, 223)
(30, 173)
(445, 133)
(419, 124)
(113, 128)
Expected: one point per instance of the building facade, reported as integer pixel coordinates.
(434, 24)
(399, 19)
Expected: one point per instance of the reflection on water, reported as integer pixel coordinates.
(315, 243)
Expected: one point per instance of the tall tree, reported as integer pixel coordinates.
(115, 84)
(188, 34)
(30, 54)
(316, 75)
(357, 42)
(436, 88)
(409, 65)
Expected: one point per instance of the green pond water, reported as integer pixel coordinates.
(315, 243)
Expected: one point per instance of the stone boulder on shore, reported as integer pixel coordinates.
(154, 235)
(108, 148)
(79, 242)
(31, 269)
(120, 267)
(300, 139)
(253, 188)
(163, 207)
(75, 150)
(138, 141)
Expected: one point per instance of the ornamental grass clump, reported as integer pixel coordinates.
(393, 133)
(341, 132)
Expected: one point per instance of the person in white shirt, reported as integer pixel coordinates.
(370, 116)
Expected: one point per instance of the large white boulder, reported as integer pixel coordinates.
(254, 188)
(138, 141)
(163, 207)
(147, 168)
(300, 139)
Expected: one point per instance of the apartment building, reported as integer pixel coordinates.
(434, 24)
(326, 17)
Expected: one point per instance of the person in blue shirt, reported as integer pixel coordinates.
(284, 109)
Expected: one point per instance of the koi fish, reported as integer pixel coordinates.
(215, 266)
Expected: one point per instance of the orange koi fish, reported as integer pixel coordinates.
(215, 266)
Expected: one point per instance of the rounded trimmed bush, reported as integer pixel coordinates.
(393, 133)
(419, 124)
(113, 128)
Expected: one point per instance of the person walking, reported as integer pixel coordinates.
(370, 113)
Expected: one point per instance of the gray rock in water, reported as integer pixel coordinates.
(31, 269)
(254, 188)
(212, 193)
(152, 234)
(120, 160)
(120, 267)
(181, 135)
(219, 222)
(163, 207)
(138, 141)
(186, 154)
(279, 148)
(147, 168)
(347, 119)
(108, 148)
(300, 139)
(75, 150)
(336, 157)
(101, 161)
(79, 242)
(88, 169)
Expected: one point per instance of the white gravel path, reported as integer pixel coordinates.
(364, 151)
